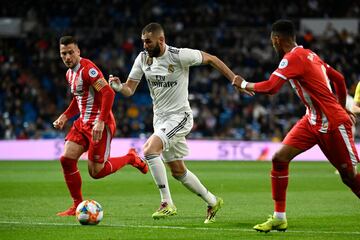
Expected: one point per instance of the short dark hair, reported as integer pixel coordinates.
(66, 40)
(284, 27)
(153, 28)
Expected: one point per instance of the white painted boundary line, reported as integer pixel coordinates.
(172, 227)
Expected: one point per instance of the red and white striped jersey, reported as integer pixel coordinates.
(306, 73)
(81, 79)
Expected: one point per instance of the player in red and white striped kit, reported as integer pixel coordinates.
(326, 123)
(94, 129)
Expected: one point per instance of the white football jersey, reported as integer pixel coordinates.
(167, 77)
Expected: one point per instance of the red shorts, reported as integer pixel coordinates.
(82, 134)
(337, 145)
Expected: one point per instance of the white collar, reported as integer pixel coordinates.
(300, 46)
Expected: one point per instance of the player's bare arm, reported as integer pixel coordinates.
(127, 89)
(356, 108)
(216, 63)
(355, 112)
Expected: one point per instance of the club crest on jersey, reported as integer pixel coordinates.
(283, 63)
(92, 72)
(171, 68)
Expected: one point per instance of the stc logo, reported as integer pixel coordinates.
(243, 150)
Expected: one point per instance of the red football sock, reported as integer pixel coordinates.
(279, 182)
(113, 164)
(72, 178)
(356, 185)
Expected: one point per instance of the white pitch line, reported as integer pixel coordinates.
(173, 227)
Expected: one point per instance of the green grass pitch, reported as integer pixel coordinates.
(319, 205)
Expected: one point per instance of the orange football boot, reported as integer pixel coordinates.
(138, 162)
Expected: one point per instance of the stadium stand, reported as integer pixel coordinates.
(33, 90)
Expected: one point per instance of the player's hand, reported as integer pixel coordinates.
(115, 83)
(237, 84)
(351, 115)
(249, 93)
(97, 131)
(60, 122)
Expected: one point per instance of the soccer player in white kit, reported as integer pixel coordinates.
(166, 71)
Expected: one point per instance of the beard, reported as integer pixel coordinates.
(280, 54)
(154, 52)
(70, 65)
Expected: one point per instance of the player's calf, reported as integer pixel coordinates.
(352, 181)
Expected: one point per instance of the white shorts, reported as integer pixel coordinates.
(172, 130)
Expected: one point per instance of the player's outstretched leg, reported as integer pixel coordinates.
(137, 162)
(272, 223)
(212, 210)
(113, 164)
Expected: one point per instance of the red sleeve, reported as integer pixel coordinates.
(339, 84)
(92, 73)
(72, 110)
(270, 86)
(107, 99)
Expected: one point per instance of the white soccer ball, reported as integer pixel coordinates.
(89, 212)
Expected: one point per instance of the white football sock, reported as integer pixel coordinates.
(279, 215)
(191, 182)
(158, 171)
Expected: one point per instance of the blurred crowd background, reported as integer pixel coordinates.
(34, 92)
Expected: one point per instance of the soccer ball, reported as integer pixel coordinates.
(89, 212)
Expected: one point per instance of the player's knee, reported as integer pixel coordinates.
(280, 157)
(178, 171)
(280, 166)
(149, 150)
(69, 165)
(94, 173)
(146, 150)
